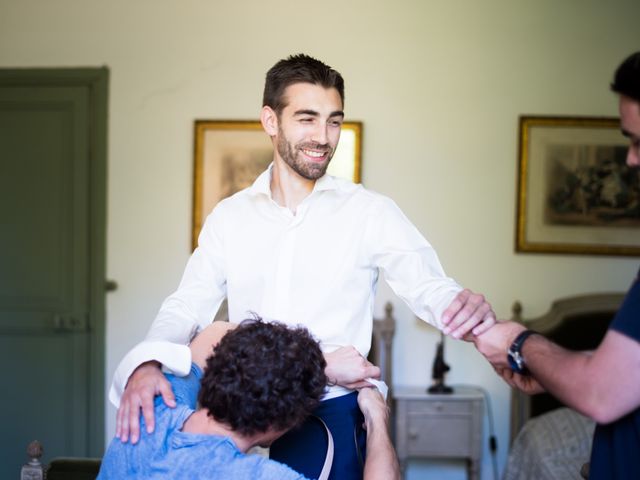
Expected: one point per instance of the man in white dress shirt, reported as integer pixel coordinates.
(300, 246)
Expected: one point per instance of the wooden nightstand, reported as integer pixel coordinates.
(440, 426)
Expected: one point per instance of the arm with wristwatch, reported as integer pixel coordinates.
(603, 384)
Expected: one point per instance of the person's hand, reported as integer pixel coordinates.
(468, 312)
(525, 383)
(372, 405)
(495, 342)
(348, 368)
(145, 383)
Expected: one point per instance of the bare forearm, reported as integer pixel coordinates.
(603, 384)
(559, 371)
(597, 385)
(381, 463)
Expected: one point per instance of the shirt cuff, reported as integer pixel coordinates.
(174, 358)
(382, 387)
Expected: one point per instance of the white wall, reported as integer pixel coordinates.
(438, 85)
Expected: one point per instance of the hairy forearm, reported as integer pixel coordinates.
(381, 463)
(572, 377)
(557, 369)
(603, 384)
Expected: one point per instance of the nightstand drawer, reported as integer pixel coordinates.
(439, 426)
(444, 407)
(434, 436)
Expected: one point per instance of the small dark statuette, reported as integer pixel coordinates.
(440, 368)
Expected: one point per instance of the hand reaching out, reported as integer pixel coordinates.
(468, 312)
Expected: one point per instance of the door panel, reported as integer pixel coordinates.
(46, 283)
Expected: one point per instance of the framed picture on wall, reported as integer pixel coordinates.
(230, 154)
(575, 192)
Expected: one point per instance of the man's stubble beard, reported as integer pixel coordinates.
(292, 156)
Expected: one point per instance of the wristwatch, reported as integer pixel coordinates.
(514, 355)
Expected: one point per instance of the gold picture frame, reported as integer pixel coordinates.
(230, 154)
(575, 192)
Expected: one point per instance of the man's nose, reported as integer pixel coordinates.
(320, 134)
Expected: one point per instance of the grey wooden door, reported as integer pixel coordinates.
(52, 176)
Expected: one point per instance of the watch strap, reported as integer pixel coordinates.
(514, 355)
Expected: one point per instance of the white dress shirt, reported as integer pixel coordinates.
(318, 267)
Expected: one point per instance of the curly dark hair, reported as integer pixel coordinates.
(298, 68)
(263, 375)
(626, 80)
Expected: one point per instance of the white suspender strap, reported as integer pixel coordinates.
(328, 460)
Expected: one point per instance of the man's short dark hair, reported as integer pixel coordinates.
(263, 375)
(626, 80)
(298, 68)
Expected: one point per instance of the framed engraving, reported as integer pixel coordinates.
(575, 192)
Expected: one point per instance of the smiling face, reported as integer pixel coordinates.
(309, 129)
(630, 125)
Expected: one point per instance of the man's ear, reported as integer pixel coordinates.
(269, 120)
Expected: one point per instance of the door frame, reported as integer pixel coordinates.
(96, 80)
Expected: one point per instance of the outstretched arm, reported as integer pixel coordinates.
(603, 385)
(413, 271)
(381, 462)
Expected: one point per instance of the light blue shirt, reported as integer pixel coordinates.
(171, 453)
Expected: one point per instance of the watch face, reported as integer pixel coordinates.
(515, 361)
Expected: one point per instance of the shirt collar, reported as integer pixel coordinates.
(262, 184)
(326, 182)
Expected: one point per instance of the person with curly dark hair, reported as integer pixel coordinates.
(260, 380)
(263, 376)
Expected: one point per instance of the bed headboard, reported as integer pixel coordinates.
(577, 323)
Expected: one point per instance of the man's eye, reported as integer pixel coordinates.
(306, 120)
(335, 123)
